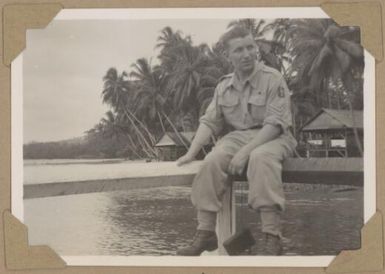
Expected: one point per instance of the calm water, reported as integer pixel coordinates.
(151, 222)
(319, 220)
(157, 221)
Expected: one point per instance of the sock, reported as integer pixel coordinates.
(271, 220)
(207, 220)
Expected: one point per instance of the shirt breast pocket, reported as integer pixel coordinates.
(257, 106)
(228, 104)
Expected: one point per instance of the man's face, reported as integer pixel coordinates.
(242, 53)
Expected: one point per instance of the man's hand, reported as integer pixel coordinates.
(267, 133)
(239, 161)
(185, 159)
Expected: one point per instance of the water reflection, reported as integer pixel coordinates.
(151, 222)
(318, 221)
(138, 222)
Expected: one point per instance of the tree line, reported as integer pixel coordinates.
(322, 63)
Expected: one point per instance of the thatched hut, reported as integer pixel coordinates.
(330, 133)
(173, 145)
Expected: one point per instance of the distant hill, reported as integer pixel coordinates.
(77, 148)
(74, 141)
(73, 148)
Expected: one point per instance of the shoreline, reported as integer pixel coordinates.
(33, 162)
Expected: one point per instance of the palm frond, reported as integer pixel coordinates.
(351, 48)
(321, 57)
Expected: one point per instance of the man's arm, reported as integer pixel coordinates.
(211, 123)
(201, 138)
(267, 133)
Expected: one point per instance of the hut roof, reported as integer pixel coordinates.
(334, 119)
(172, 139)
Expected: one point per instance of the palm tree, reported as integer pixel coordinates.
(280, 45)
(303, 108)
(179, 62)
(256, 27)
(113, 127)
(281, 31)
(115, 91)
(218, 65)
(109, 125)
(322, 51)
(168, 38)
(169, 41)
(118, 92)
(185, 78)
(150, 98)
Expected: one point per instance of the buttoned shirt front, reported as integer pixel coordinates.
(263, 98)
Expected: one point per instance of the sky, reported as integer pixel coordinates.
(64, 64)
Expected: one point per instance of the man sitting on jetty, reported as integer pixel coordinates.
(254, 102)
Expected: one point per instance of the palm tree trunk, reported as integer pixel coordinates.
(137, 130)
(294, 125)
(183, 127)
(176, 131)
(318, 99)
(140, 144)
(338, 98)
(161, 122)
(325, 87)
(152, 138)
(355, 131)
(294, 122)
(144, 147)
(338, 93)
(132, 146)
(133, 151)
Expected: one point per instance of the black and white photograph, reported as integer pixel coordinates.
(227, 136)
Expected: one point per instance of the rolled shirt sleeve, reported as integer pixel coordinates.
(213, 117)
(278, 110)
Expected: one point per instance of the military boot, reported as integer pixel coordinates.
(203, 240)
(272, 245)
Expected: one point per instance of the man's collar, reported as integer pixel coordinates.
(234, 81)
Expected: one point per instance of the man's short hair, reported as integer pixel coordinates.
(234, 32)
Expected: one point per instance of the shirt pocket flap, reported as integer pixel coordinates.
(258, 98)
(228, 100)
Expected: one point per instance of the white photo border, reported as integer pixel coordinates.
(193, 13)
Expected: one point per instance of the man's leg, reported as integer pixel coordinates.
(208, 188)
(211, 181)
(266, 194)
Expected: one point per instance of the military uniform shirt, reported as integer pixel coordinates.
(263, 99)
